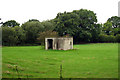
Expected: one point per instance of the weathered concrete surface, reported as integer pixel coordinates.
(59, 43)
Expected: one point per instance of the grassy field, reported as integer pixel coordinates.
(85, 61)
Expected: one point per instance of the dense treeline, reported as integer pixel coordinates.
(81, 24)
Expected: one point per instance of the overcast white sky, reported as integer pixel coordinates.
(23, 10)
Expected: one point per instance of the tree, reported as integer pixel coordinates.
(118, 38)
(79, 24)
(9, 37)
(66, 23)
(20, 33)
(115, 24)
(87, 18)
(12, 36)
(115, 20)
(10, 23)
(31, 20)
(48, 25)
(95, 32)
(32, 28)
(107, 28)
(42, 35)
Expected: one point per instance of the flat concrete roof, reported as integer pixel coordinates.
(58, 37)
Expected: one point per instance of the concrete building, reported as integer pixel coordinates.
(59, 43)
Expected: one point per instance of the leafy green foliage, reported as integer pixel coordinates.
(118, 38)
(10, 23)
(31, 20)
(115, 24)
(42, 35)
(20, 34)
(81, 24)
(111, 30)
(107, 38)
(107, 28)
(8, 36)
(48, 25)
(13, 36)
(32, 29)
(115, 20)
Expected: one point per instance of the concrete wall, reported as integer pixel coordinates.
(62, 43)
(68, 43)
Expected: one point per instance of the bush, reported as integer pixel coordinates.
(102, 37)
(111, 38)
(42, 35)
(117, 37)
(107, 38)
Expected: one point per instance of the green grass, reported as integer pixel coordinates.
(85, 61)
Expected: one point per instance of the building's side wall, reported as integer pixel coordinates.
(71, 43)
(65, 43)
(60, 43)
(68, 44)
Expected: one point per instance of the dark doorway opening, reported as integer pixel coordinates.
(50, 42)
